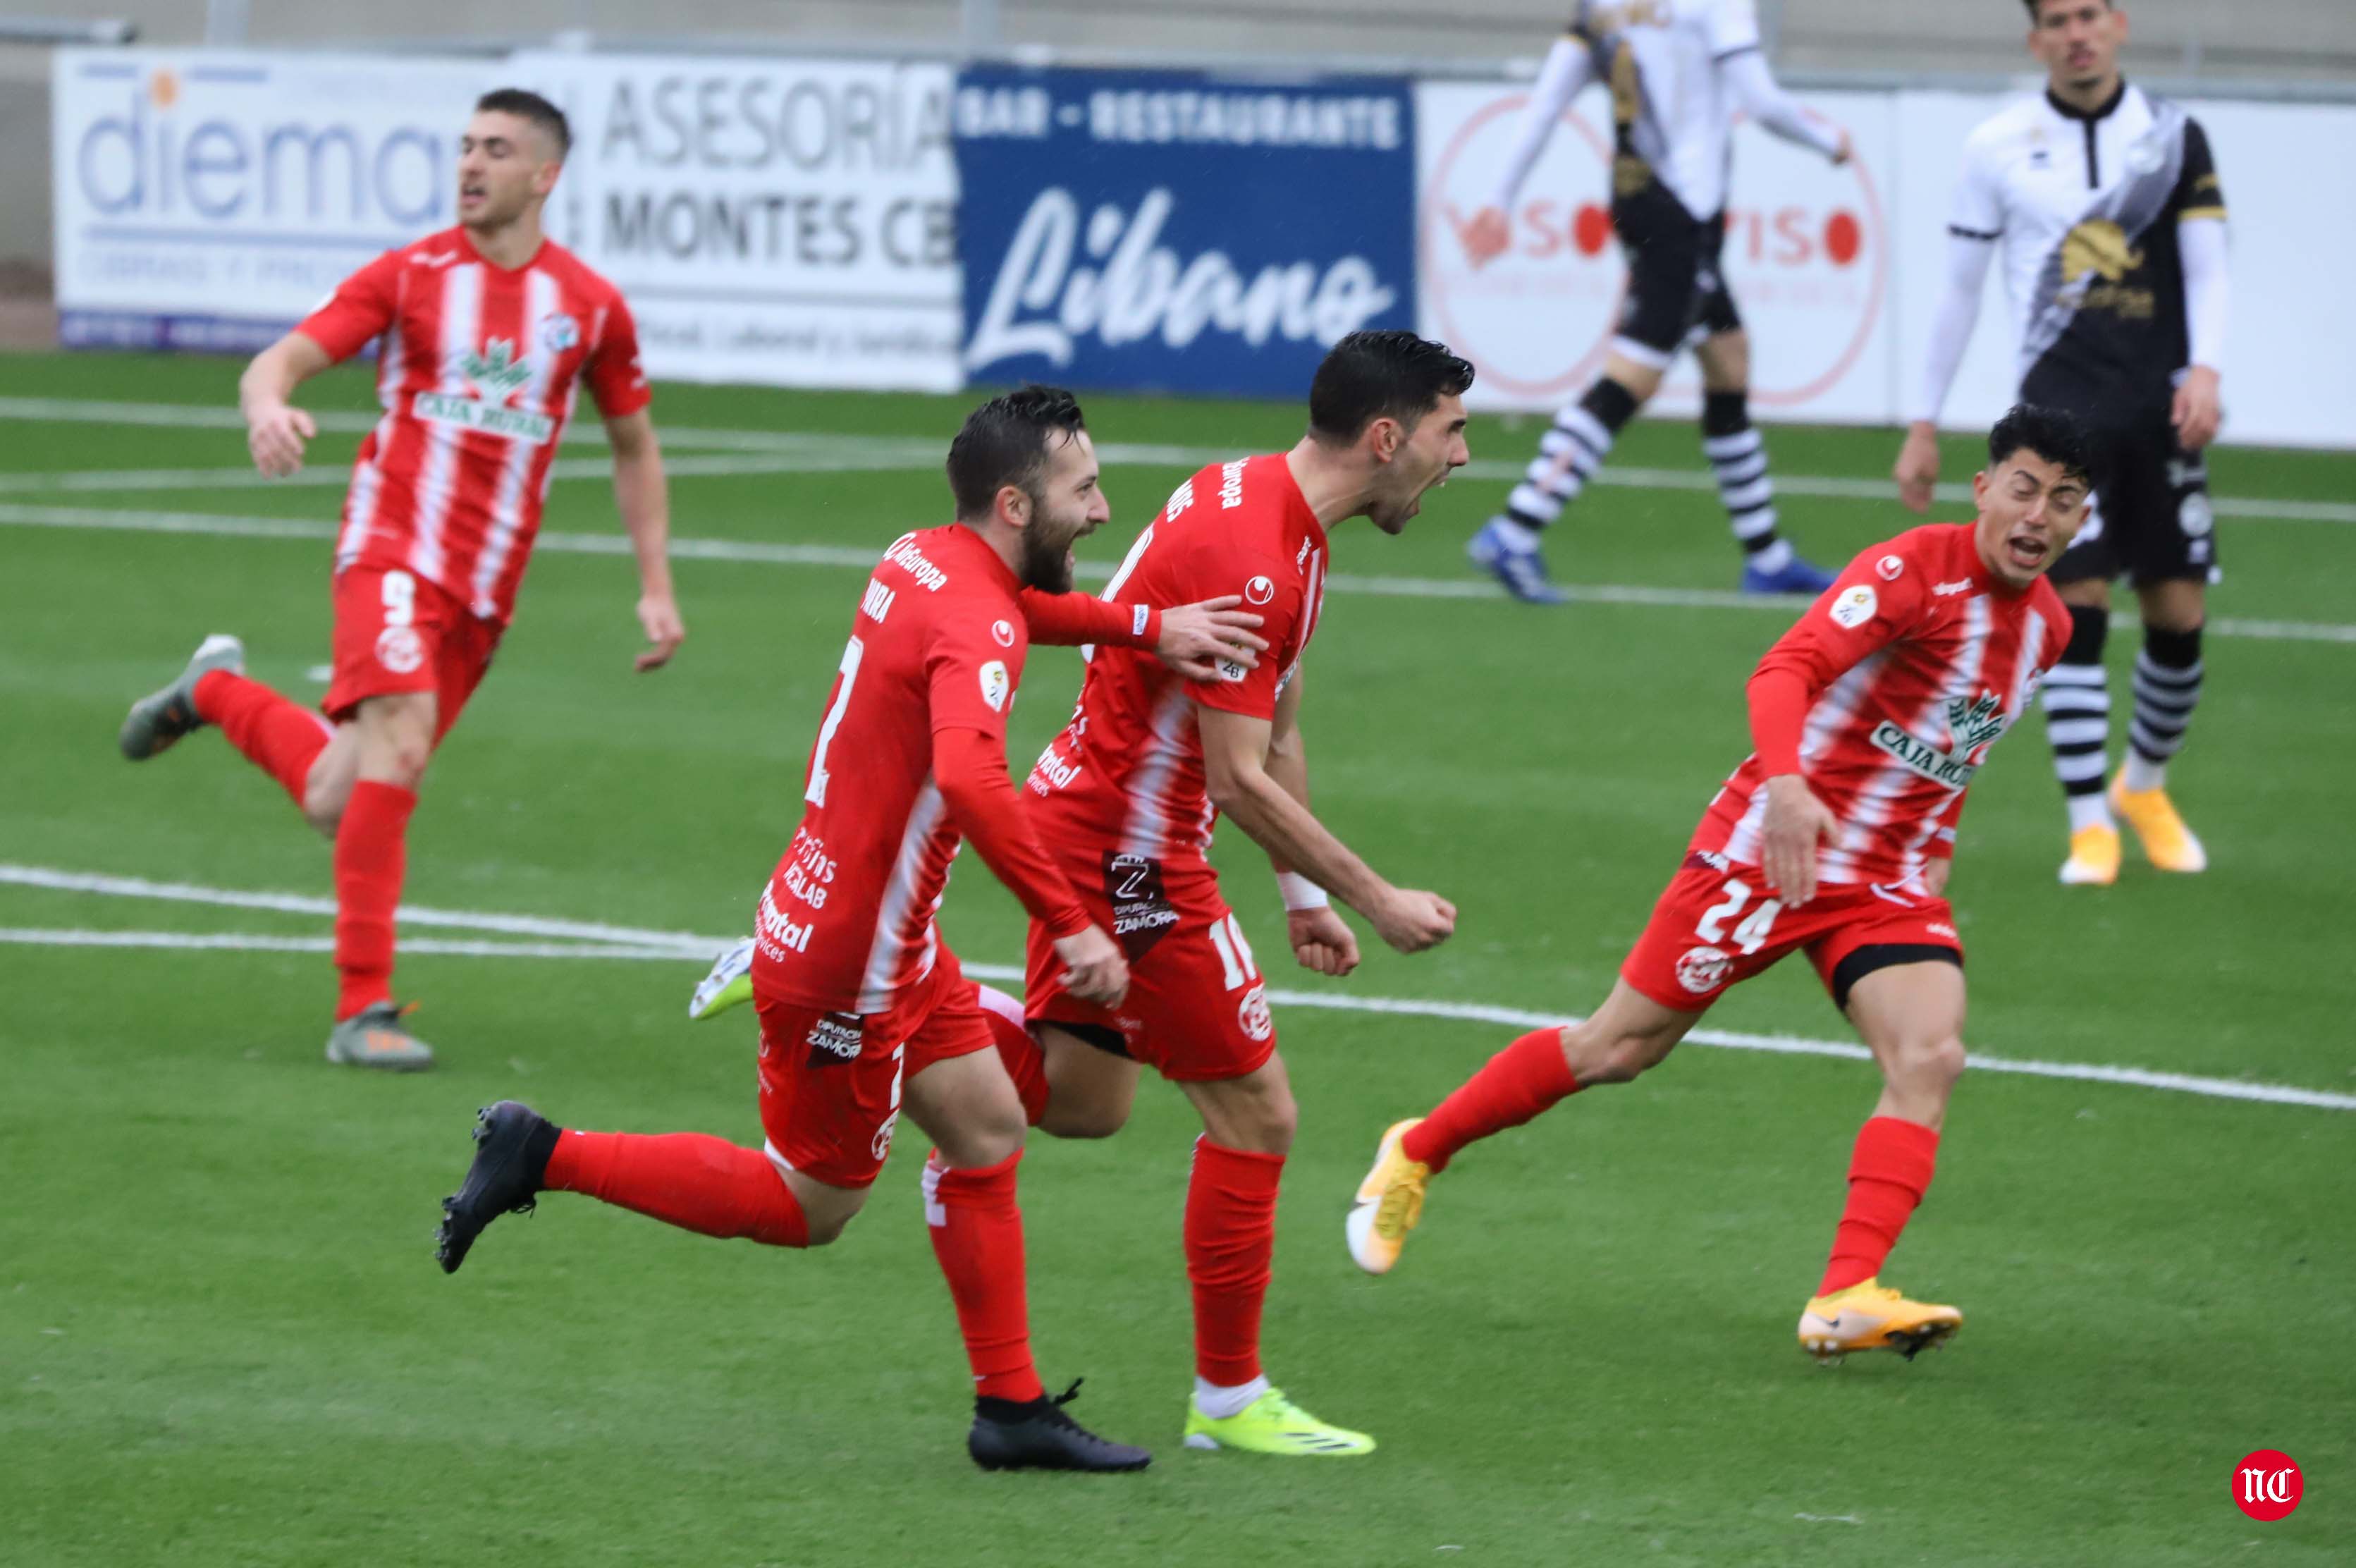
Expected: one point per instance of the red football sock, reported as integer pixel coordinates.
(1230, 1244)
(371, 854)
(279, 735)
(1516, 1084)
(977, 1232)
(1888, 1173)
(693, 1180)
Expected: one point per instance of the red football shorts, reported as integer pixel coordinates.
(1195, 1007)
(1716, 927)
(830, 1082)
(397, 632)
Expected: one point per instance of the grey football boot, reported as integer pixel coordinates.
(375, 1037)
(160, 718)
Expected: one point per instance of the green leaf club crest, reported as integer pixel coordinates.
(496, 372)
(1974, 724)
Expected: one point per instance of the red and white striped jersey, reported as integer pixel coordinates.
(1916, 660)
(476, 374)
(847, 918)
(1128, 770)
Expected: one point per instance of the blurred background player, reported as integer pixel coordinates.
(2107, 205)
(863, 1010)
(485, 330)
(1126, 798)
(1679, 71)
(1870, 718)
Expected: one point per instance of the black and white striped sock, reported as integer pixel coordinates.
(1734, 448)
(2166, 689)
(1568, 455)
(2078, 719)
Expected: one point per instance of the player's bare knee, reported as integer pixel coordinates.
(1725, 359)
(824, 1229)
(1928, 1065)
(323, 810)
(1083, 1119)
(1265, 1124)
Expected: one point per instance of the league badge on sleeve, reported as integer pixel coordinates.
(1855, 607)
(996, 686)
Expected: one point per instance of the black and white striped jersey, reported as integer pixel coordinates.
(1673, 114)
(2086, 206)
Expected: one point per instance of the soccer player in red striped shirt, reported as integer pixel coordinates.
(865, 1011)
(486, 334)
(1126, 799)
(1834, 837)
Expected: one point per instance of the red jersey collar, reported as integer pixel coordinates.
(466, 245)
(968, 542)
(1295, 503)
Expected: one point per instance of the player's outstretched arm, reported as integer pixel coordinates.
(1568, 66)
(2196, 410)
(1234, 769)
(1755, 89)
(643, 497)
(1320, 938)
(275, 428)
(1193, 640)
(969, 770)
(1917, 469)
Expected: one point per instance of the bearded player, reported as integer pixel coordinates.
(863, 1010)
(1834, 837)
(486, 332)
(1125, 799)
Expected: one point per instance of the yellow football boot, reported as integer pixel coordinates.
(2094, 858)
(1389, 1202)
(1274, 1425)
(2169, 843)
(1868, 1317)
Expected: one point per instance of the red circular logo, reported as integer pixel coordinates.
(2267, 1485)
(1002, 633)
(1258, 591)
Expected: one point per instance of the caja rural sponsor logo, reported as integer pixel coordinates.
(1806, 256)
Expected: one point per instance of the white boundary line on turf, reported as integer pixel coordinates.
(798, 451)
(624, 942)
(217, 525)
(253, 942)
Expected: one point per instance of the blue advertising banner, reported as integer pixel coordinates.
(1177, 230)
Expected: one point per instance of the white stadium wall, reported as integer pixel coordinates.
(794, 221)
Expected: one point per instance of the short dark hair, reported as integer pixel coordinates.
(526, 105)
(2037, 10)
(2051, 434)
(1377, 375)
(1006, 441)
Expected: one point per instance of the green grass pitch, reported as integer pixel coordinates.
(223, 1339)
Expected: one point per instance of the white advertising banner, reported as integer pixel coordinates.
(1807, 255)
(781, 221)
(2289, 176)
(210, 199)
(1838, 271)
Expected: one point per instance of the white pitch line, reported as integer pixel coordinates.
(624, 942)
(219, 525)
(798, 451)
(251, 942)
(684, 943)
(691, 466)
